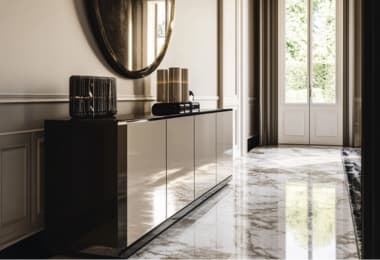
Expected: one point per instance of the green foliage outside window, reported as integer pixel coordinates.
(323, 51)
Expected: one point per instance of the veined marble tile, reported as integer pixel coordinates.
(283, 203)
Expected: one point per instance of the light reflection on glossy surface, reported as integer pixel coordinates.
(284, 203)
(297, 237)
(146, 185)
(310, 237)
(205, 153)
(323, 225)
(180, 164)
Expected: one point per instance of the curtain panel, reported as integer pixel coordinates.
(352, 73)
(267, 78)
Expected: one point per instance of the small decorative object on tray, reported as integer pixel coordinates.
(173, 93)
(92, 97)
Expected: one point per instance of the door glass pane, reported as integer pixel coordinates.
(324, 51)
(296, 51)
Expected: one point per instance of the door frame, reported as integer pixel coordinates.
(310, 110)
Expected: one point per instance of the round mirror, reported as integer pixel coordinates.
(132, 34)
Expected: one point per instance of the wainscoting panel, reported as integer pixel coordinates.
(233, 102)
(38, 180)
(15, 175)
(294, 123)
(326, 125)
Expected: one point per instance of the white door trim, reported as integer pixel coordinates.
(311, 123)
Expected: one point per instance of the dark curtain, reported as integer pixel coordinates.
(352, 73)
(267, 74)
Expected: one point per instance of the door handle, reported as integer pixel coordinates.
(310, 91)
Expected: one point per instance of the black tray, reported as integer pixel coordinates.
(162, 109)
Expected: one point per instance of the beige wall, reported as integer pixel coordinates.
(44, 42)
(194, 45)
(229, 53)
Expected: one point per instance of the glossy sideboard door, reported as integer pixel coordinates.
(180, 163)
(224, 145)
(146, 177)
(205, 153)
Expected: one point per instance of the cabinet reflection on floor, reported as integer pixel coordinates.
(285, 202)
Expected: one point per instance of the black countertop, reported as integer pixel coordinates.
(131, 118)
(150, 117)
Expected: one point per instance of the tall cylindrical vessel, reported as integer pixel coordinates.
(162, 86)
(175, 93)
(185, 85)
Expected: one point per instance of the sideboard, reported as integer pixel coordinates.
(113, 184)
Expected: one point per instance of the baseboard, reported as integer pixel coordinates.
(253, 142)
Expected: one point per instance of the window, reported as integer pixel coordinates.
(310, 51)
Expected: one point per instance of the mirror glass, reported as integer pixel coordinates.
(132, 34)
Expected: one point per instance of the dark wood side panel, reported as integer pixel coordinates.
(81, 184)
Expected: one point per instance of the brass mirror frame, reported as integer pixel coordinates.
(93, 12)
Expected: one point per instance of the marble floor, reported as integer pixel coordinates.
(353, 168)
(283, 202)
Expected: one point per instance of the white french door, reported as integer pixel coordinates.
(310, 72)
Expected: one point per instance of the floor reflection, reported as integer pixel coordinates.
(297, 230)
(310, 221)
(323, 222)
(286, 202)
